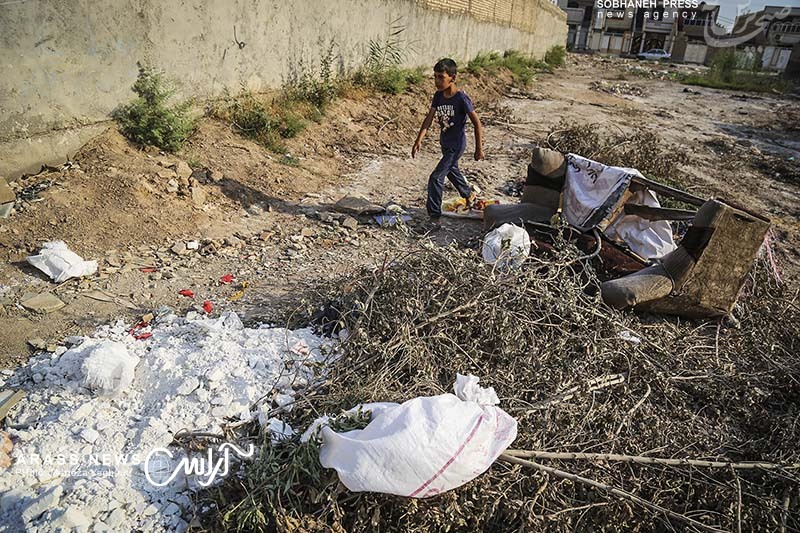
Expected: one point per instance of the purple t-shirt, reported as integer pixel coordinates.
(451, 113)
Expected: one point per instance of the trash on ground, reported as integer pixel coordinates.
(424, 446)
(700, 276)
(60, 263)
(506, 246)
(227, 278)
(186, 292)
(391, 220)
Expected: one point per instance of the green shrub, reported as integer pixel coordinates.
(252, 118)
(556, 56)
(724, 64)
(150, 119)
(382, 70)
(523, 67)
(392, 80)
(317, 88)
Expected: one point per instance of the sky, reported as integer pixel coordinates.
(728, 8)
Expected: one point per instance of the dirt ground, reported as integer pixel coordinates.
(271, 225)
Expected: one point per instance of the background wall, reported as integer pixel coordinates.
(66, 65)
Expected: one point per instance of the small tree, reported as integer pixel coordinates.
(150, 119)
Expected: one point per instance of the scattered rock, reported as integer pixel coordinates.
(166, 174)
(89, 435)
(350, 223)
(46, 501)
(308, 232)
(198, 196)
(180, 248)
(38, 343)
(255, 210)
(70, 519)
(183, 170)
(43, 303)
(172, 186)
(357, 205)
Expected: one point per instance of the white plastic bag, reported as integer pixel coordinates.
(506, 246)
(424, 446)
(109, 368)
(649, 239)
(60, 263)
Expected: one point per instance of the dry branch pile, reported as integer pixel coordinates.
(554, 354)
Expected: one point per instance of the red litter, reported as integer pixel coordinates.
(148, 269)
(140, 336)
(207, 306)
(186, 292)
(227, 278)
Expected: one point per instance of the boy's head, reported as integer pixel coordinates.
(444, 73)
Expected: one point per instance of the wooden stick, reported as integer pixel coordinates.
(666, 190)
(611, 490)
(658, 213)
(592, 385)
(640, 459)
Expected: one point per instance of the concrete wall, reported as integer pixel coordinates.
(66, 65)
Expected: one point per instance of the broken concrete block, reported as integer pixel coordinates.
(183, 170)
(198, 196)
(350, 223)
(6, 194)
(43, 303)
(357, 205)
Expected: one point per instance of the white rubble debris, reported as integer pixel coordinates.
(79, 456)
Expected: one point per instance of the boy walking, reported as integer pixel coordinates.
(451, 107)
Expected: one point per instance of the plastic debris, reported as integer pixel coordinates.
(186, 292)
(60, 263)
(506, 246)
(422, 447)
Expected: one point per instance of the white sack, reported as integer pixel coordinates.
(506, 246)
(109, 368)
(592, 190)
(649, 239)
(424, 446)
(61, 263)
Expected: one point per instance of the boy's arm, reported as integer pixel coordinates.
(476, 123)
(422, 131)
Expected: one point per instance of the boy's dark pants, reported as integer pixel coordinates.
(448, 166)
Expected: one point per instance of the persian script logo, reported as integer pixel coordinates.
(206, 470)
(716, 38)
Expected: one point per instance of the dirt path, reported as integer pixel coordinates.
(270, 224)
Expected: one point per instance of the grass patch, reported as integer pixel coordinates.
(151, 119)
(318, 87)
(556, 56)
(382, 70)
(269, 124)
(523, 68)
(731, 72)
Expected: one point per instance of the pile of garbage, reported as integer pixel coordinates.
(575, 376)
(620, 89)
